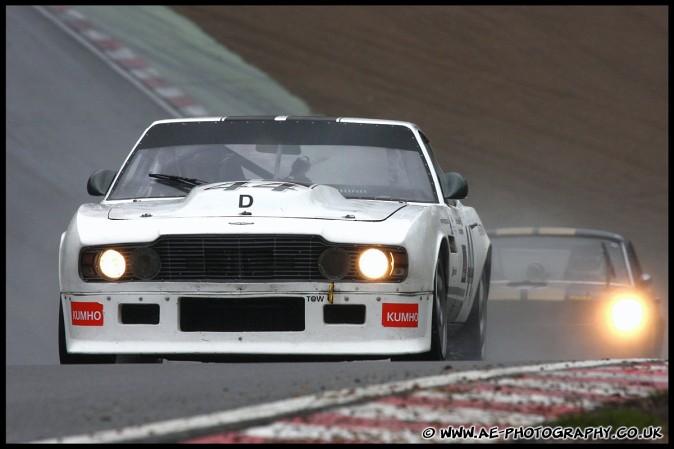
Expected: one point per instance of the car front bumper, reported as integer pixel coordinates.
(210, 323)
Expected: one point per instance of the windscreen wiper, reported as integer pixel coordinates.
(178, 181)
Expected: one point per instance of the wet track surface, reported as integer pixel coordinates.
(498, 401)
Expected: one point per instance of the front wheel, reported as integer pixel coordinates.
(439, 332)
(469, 342)
(440, 329)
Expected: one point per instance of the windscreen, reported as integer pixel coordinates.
(362, 161)
(558, 259)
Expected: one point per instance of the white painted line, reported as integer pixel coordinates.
(312, 402)
(146, 73)
(332, 434)
(506, 398)
(655, 377)
(195, 111)
(598, 388)
(75, 15)
(95, 35)
(457, 415)
(121, 53)
(169, 92)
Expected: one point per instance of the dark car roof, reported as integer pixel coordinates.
(555, 231)
(265, 130)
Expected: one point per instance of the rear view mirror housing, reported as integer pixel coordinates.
(454, 186)
(100, 181)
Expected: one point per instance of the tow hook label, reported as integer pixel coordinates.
(86, 313)
(316, 298)
(400, 315)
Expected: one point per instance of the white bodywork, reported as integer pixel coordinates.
(421, 228)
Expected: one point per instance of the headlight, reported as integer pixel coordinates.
(375, 264)
(333, 263)
(627, 314)
(145, 263)
(111, 264)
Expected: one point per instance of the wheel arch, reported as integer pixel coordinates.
(486, 268)
(443, 251)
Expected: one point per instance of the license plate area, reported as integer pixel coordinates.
(281, 314)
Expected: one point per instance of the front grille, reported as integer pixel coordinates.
(240, 258)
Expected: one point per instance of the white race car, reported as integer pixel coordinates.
(275, 236)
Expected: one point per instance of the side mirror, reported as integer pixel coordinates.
(454, 186)
(99, 182)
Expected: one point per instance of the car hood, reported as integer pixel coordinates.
(557, 291)
(259, 199)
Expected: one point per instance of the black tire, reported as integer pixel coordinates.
(469, 342)
(440, 330)
(75, 359)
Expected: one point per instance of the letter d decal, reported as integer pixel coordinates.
(245, 200)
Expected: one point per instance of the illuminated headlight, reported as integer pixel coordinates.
(627, 314)
(111, 264)
(375, 264)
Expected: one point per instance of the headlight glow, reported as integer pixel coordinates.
(627, 314)
(111, 264)
(375, 264)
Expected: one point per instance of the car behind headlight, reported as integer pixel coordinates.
(627, 314)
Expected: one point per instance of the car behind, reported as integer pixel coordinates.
(569, 293)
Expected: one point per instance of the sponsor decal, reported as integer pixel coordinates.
(86, 313)
(400, 315)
